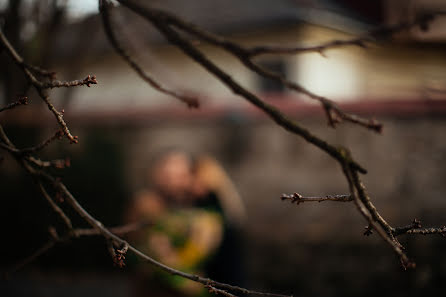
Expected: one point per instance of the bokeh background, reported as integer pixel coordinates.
(123, 124)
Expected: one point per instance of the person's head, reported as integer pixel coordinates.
(172, 176)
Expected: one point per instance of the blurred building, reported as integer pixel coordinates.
(409, 67)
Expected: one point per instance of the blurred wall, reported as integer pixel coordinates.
(319, 249)
(310, 249)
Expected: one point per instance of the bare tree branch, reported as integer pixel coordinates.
(113, 239)
(105, 7)
(245, 55)
(365, 199)
(271, 111)
(415, 228)
(334, 114)
(57, 163)
(23, 100)
(416, 224)
(427, 231)
(421, 21)
(297, 198)
(56, 208)
(120, 230)
(355, 193)
(216, 291)
(41, 86)
(40, 71)
(72, 234)
(89, 80)
(42, 145)
(25, 152)
(31, 258)
(173, 29)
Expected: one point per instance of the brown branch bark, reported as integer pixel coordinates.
(427, 231)
(355, 193)
(22, 101)
(297, 198)
(415, 228)
(89, 80)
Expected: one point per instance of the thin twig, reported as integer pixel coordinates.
(58, 115)
(40, 71)
(38, 85)
(416, 224)
(355, 193)
(57, 163)
(25, 153)
(427, 231)
(89, 80)
(23, 100)
(42, 145)
(55, 207)
(245, 55)
(334, 114)
(216, 291)
(73, 234)
(421, 21)
(297, 198)
(362, 194)
(9, 148)
(31, 258)
(105, 7)
(120, 230)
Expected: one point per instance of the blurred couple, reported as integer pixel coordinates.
(196, 216)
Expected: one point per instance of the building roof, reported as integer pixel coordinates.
(234, 15)
(221, 16)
